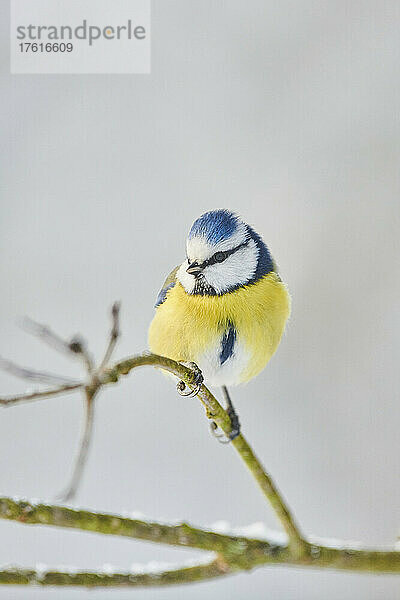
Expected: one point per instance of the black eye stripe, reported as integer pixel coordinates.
(221, 256)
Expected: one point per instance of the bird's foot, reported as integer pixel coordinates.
(235, 423)
(198, 381)
(221, 437)
(235, 428)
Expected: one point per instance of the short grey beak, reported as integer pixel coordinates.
(194, 269)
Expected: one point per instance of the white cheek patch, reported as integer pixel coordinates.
(236, 270)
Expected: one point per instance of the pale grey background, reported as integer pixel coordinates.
(288, 113)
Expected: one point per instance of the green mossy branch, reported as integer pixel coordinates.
(91, 579)
(230, 553)
(215, 412)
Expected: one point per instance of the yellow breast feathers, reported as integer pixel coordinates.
(189, 327)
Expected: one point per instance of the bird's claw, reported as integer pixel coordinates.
(220, 437)
(198, 381)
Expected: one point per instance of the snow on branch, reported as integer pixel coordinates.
(238, 550)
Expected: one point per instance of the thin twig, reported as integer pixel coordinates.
(46, 334)
(32, 375)
(84, 444)
(31, 396)
(114, 335)
(233, 553)
(79, 347)
(76, 345)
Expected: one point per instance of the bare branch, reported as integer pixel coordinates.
(114, 335)
(216, 413)
(47, 335)
(237, 553)
(179, 534)
(40, 376)
(234, 553)
(83, 450)
(79, 347)
(106, 578)
(38, 395)
(76, 345)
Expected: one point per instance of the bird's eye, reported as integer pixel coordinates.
(219, 257)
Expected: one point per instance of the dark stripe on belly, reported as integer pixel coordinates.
(227, 343)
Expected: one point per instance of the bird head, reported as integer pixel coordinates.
(223, 253)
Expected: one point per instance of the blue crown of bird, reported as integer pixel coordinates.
(225, 307)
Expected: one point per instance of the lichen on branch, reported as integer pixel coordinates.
(231, 553)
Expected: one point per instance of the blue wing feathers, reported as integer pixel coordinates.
(167, 285)
(163, 294)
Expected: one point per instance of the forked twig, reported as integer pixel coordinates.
(91, 391)
(232, 552)
(114, 335)
(76, 346)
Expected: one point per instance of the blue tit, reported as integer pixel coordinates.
(225, 307)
